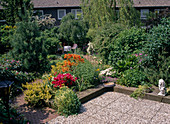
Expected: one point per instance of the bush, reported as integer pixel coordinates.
(140, 92)
(29, 48)
(157, 46)
(67, 101)
(37, 94)
(5, 32)
(51, 40)
(158, 41)
(133, 78)
(105, 38)
(73, 31)
(127, 42)
(87, 74)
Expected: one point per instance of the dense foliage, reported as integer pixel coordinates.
(73, 31)
(66, 101)
(15, 10)
(37, 94)
(99, 12)
(29, 47)
(5, 32)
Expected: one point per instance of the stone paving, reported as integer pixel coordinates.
(117, 108)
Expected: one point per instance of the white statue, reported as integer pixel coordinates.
(90, 48)
(162, 88)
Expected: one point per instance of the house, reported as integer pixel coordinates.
(59, 8)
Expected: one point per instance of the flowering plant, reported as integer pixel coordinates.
(64, 79)
(71, 60)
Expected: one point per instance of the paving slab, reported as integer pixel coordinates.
(117, 108)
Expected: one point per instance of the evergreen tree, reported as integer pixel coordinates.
(15, 9)
(98, 12)
(29, 47)
(128, 14)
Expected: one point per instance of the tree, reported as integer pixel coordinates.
(98, 12)
(73, 31)
(15, 9)
(128, 14)
(29, 47)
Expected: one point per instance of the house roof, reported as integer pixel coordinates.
(76, 3)
(56, 3)
(151, 3)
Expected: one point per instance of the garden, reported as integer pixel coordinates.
(30, 57)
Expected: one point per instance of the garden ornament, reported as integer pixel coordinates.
(162, 87)
(90, 48)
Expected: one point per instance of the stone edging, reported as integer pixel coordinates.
(89, 94)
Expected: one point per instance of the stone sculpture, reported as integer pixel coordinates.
(90, 48)
(162, 87)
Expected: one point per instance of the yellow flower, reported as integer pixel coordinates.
(98, 69)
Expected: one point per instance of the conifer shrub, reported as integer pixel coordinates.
(29, 47)
(66, 101)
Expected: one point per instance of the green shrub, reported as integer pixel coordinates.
(5, 32)
(105, 38)
(157, 47)
(158, 41)
(133, 78)
(73, 31)
(67, 101)
(29, 47)
(161, 70)
(51, 40)
(125, 43)
(37, 94)
(87, 74)
(140, 92)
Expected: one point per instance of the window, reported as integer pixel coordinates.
(144, 13)
(77, 13)
(157, 11)
(61, 13)
(38, 12)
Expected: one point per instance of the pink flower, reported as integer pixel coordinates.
(146, 55)
(6, 68)
(140, 54)
(136, 55)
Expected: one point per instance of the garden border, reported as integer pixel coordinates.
(89, 94)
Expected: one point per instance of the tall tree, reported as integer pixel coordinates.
(128, 14)
(15, 9)
(98, 12)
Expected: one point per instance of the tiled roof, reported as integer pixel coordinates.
(76, 3)
(151, 3)
(56, 3)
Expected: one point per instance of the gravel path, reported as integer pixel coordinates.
(117, 108)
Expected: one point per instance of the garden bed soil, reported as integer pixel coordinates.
(34, 115)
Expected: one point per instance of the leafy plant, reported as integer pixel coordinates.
(133, 78)
(5, 32)
(87, 75)
(140, 92)
(73, 31)
(15, 116)
(29, 48)
(66, 101)
(37, 93)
